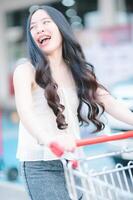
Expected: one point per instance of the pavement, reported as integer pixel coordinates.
(12, 191)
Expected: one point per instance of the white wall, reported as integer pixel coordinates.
(109, 11)
(16, 4)
(3, 67)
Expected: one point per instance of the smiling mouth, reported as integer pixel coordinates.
(44, 40)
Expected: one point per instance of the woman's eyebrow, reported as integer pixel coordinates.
(44, 18)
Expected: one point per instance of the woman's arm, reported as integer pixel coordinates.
(23, 79)
(114, 107)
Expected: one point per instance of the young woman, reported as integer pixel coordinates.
(51, 88)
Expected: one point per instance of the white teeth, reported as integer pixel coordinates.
(41, 41)
(44, 38)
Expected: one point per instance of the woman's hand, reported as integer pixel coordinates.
(64, 141)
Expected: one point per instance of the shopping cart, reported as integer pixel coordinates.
(106, 184)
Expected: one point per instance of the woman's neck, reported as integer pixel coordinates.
(57, 64)
(56, 60)
(59, 69)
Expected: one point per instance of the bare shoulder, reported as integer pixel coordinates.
(24, 70)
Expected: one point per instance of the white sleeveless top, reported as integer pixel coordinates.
(28, 149)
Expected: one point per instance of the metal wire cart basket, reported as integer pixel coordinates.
(107, 184)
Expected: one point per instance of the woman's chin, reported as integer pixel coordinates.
(48, 52)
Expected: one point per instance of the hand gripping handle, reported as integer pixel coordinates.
(59, 151)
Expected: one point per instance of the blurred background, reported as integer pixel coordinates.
(104, 29)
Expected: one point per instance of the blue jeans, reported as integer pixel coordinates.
(45, 180)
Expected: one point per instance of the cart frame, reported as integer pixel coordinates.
(106, 184)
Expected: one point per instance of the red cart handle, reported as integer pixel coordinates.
(59, 151)
(56, 149)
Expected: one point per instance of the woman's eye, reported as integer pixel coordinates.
(31, 27)
(46, 22)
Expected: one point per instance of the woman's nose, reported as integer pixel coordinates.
(40, 29)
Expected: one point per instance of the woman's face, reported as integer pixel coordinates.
(45, 32)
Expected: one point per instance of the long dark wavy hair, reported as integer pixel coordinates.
(82, 71)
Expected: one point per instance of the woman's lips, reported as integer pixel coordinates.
(43, 40)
